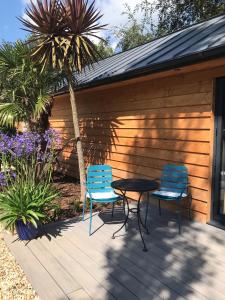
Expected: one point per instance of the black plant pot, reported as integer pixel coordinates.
(26, 232)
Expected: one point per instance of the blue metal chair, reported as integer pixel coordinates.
(98, 188)
(174, 187)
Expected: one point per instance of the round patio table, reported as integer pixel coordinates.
(140, 186)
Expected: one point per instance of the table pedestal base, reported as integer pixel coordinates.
(136, 210)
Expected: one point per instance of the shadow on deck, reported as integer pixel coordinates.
(65, 263)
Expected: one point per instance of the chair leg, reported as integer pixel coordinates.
(113, 206)
(160, 212)
(124, 209)
(190, 202)
(84, 207)
(179, 215)
(90, 225)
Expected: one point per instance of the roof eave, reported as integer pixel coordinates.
(198, 57)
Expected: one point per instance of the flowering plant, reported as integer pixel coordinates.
(28, 155)
(26, 191)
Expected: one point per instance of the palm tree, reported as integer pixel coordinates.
(63, 31)
(24, 93)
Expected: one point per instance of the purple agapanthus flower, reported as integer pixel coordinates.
(5, 143)
(2, 179)
(6, 177)
(25, 148)
(51, 138)
(26, 144)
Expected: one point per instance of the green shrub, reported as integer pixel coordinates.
(26, 201)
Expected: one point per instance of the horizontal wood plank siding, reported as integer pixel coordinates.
(138, 128)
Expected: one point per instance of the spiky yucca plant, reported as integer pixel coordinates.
(61, 32)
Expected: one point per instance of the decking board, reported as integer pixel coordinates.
(79, 295)
(68, 264)
(162, 270)
(44, 284)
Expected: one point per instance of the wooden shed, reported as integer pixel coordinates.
(162, 102)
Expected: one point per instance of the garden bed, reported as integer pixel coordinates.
(69, 200)
(69, 189)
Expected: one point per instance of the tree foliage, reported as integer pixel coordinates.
(139, 27)
(24, 90)
(104, 49)
(153, 19)
(62, 32)
(174, 15)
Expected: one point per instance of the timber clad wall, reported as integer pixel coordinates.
(140, 127)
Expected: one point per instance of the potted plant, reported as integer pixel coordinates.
(24, 205)
(26, 191)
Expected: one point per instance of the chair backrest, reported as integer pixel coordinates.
(174, 179)
(99, 178)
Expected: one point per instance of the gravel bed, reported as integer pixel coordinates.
(13, 282)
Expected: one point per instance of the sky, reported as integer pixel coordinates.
(10, 27)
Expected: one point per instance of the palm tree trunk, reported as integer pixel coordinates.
(78, 140)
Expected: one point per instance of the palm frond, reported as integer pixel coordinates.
(63, 32)
(10, 113)
(24, 88)
(41, 105)
(11, 55)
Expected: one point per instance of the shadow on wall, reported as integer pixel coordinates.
(140, 145)
(99, 136)
(138, 129)
(173, 140)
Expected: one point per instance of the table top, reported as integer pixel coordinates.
(135, 185)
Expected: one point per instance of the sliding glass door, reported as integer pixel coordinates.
(218, 195)
(221, 204)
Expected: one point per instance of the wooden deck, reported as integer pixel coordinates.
(65, 263)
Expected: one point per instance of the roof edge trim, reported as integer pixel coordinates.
(198, 57)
